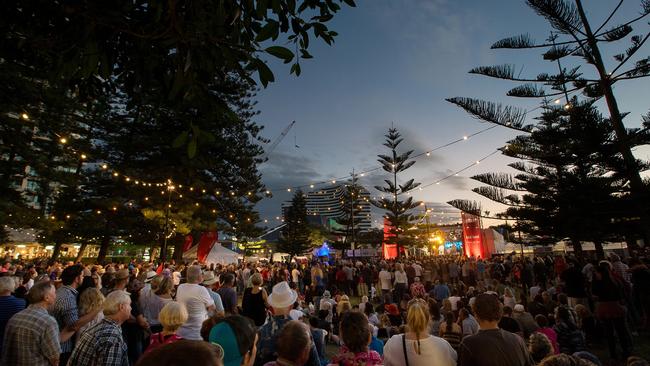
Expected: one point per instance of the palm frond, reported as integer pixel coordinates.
(504, 71)
(617, 33)
(562, 14)
(557, 52)
(471, 207)
(501, 180)
(520, 41)
(527, 91)
(495, 194)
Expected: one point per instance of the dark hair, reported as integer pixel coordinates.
(227, 278)
(449, 321)
(507, 310)
(37, 293)
(322, 314)
(368, 309)
(565, 316)
(313, 321)
(541, 320)
(488, 308)
(564, 360)
(355, 331)
(70, 273)
(294, 338)
(179, 352)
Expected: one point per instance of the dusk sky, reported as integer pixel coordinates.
(395, 61)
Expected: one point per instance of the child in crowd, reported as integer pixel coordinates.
(354, 331)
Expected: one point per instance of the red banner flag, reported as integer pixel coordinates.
(188, 243)
(207, 241)
(472, 236)
(389, 250)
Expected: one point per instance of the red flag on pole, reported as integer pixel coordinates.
(207, 241)
(188, 243)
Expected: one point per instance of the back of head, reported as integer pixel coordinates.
(179, 352)
(194, 274)
(564, 360)
(38, 292)
(90, 299)
(355, 331)
(7, 284)
(418, 316)
(165, 286)
(235, 334)
(114, 300)
(539, 346)
(293, 341)
(487, 308)
(173, 315)
(70, 273)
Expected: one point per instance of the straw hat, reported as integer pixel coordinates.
(122, 274)
(150, 276)
(209, 278)
(282, 296)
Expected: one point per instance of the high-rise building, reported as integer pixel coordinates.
(326, 204)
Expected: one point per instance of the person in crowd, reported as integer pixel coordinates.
(492, 346)
(172, 316)
(539, 347)
(417, 346)
(254, 301)
(90, 301)
(525, 320)
(343, 305)
(362, 304)
(386, 284)
(281, 301)
(468, 323)
(65, 309)
(510, 324)
(32, 335)
(509, 298)
(436, 318)
(451, 331)
(440, 291)
(135, 329)
(574, 282)
(569, 337)
(327, 303)
(210, 281)
(228, 293)
(154, 299)
(564, 360)
(637, 361)
(294, 345)
(9, 304)
(178, 353)
(238, 338)
(369, 310)
(542, 322)
(197, 301)
(609, 311)
(417, 288)
(320, 339)
(103, 344)
(587, 323)
(355, 336)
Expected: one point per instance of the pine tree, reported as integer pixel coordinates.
(569, 20)
(295, 235)
(397, 210)
(351, 207)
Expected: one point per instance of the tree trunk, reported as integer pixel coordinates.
(55, 252)
(600, 251)
(81, 252)
(103, 249)
(178, 250)
(577, 248)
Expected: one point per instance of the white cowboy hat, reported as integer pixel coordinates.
(282, 296)
(150, 276)
(209, 278)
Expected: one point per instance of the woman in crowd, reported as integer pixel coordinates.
(509, 298)
(90, 300)
(569, 337)
(544, 329)
(539, 347)
(254, 301)
(401, 282)
(343, 305)
(237, 336)
(369, 310)
(355, 336)
(417, 346)
(153, 301)
(172, 316)
(450, 331)
(609, 310)
(320, 339)
(293, 345)
(436, 317)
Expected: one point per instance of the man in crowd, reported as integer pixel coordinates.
(228, 294)
(198, 302)
(281, 301)
(65, 309)
(9, 304)
(103, 344)
(386, 284)
(492, 346)
(32, 335)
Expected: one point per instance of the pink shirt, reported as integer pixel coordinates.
(552, 336)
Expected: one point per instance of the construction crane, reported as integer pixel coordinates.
(277, 141)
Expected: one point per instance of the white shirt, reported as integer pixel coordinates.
(196, 299)
(418, 270)
(385, 280)
(400, 277)
(176, 277)
(431, 348)
(295, 275)
(454, 302)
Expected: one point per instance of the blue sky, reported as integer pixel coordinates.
(395, 61)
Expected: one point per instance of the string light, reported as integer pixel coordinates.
(24, 116)
(63, 140)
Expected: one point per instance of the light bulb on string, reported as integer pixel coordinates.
(24, 116)
(465, 137)
(63, 140)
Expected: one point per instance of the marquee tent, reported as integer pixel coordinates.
(217, 255)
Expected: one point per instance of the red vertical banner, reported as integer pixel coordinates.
(207, 241)
(389, 250)
(472, 236)
(188, 243)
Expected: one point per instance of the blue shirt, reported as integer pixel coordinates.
(440, 292)
(9, 305)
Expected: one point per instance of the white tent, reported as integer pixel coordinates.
(217, 255)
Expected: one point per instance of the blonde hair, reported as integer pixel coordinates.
(173, 315)
(114, 300)
(418, 317)
(256, 279)
(89, 300)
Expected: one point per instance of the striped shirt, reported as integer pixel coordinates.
(66, 313)
(101, 345)
(31, 338)
(9, 305)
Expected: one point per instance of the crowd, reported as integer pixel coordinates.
(445, 310)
